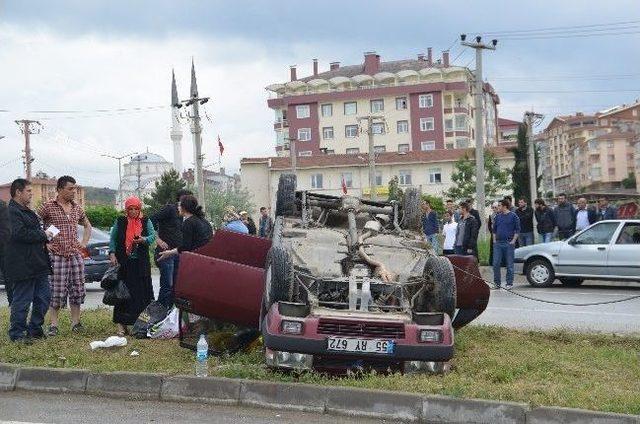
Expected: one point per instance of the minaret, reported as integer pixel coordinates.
(176, 131)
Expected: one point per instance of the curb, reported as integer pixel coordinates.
(300, 397)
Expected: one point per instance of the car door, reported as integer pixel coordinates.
(624, 256)
(587, 252)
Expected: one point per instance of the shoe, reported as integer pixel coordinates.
(509, 286)
(77, 328)
(38, 335)
(496, 287)
(53, 331)
(23, 340)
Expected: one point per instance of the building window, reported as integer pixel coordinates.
(379, 149)
(347, 177)
(403, 127)
(304, 134)
(378, 178)
(425, 100)
(316, 181)
(327, 110)
(377, 128)
(377, 105)
(404, 177)
(449, 146)
(330, 152)
(435, 176)
(448, 124)
(610, 144)
(305, 153)
(302, 111)
(428, 145)
(593, 144)
(353, 151)
(461, 122)
(612, 172)
(350, 131)
(403, 148)
(426, 124)
(611, 158)
(327, 133)
(350, 108)
(401, 103)
(462, 143)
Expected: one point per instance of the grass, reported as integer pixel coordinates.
(597, 372)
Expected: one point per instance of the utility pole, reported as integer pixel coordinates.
(372, 119)
(479, 128)
(196, 129)
(532, 118)
(293, 154)
(119, 159)
(27, 127)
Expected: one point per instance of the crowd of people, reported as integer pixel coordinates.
(509, 227)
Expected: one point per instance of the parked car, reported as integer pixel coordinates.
(96, 255)
(606, 250)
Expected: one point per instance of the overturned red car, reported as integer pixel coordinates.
(343, 284)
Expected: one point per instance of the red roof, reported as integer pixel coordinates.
(502, 122)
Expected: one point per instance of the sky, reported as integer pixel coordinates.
(115, 56)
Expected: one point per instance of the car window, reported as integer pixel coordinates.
(630, 234)
(598, 234)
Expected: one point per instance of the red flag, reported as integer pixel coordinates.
(220, 146)
(344, 186)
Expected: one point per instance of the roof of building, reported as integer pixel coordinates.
(326, 161)
(147, 158)
(393, 66)
(503, 122)
(618, 108)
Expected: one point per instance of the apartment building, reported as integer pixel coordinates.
(590, 151)
(425, 105)
(508, 130)
(429, 170)
(44, 189)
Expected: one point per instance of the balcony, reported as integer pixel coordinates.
(280, 123)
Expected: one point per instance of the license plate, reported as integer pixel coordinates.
(103, 252)
(343, 344)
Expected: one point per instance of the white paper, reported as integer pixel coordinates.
(53, 230)
(113, 341)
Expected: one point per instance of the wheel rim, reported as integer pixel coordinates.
(539, 274)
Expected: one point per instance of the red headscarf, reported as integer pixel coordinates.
(134, 225)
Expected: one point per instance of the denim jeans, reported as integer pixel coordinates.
(168, 274)
(546, 237)
(525, 239)
(25, 293)
(502, 249)
(433, 239)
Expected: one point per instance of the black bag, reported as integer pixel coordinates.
(110, 278)
(116, 295)
(152, 314)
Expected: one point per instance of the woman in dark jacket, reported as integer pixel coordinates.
(196, 230)
(467, 233)
(131, 236)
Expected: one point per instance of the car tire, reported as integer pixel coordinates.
(540, 273)
(442, 298)
(279, 278)
(571, 282)
(286, 196)
(411, 212)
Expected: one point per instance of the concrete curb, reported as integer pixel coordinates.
(304, 397)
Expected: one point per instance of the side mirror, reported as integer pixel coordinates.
(572, 242)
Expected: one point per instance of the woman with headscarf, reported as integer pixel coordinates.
(131, 236)
(196, 230)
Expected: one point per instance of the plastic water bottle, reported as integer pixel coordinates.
(202, 353)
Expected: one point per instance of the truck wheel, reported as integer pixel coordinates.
(286, 196)
(279, 279)
(412, 214)
(442, 298)
(571, 282)
(540, 273)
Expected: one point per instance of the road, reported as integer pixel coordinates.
(508, 310)
(28, 407)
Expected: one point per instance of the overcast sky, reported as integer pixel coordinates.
(87, 55)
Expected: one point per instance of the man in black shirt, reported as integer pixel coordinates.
(474, 213)
(525, 213)
(5, 233)
(169, 226)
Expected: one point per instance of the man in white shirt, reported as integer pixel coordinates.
(449, 231)
(584, 216)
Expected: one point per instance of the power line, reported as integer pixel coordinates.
(570, 91)
(524, 38)
(567, 77)
(559, 28)
(462, 52)
(67, 111)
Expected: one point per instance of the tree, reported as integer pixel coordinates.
(630, 181)
(165, 192)
(395, 192)
(101, 216)
(496, 179)
(217, 201)
(521, 187)
(437, 204)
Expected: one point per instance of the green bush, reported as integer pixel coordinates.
(101, 216)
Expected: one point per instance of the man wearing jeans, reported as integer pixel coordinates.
(27, 266)
(506, 227)
(525, 214)
(169, 226)
(430, 225)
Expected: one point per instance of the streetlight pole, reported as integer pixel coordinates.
(478, 46)
(372, 154)
(531, 118)
(119, 159)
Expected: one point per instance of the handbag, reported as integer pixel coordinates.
(110, 278)
(116, 295)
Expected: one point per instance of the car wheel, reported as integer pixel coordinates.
(412, 214)
(286, 197)
(540, 273)
(279, 278)
(571, 282)
(442, 298)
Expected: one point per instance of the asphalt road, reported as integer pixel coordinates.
(28, 407)
(508, 310)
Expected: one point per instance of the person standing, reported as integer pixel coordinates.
(430, 225)
(5, 233)
(492, 217)
(606, 211)
(67, 280)
(265, 223)
(474, 212)
(467, 232)
(196, 230)
(565, 217)
(232, 221)
(585, 216)
(451, 208)
(525, 215)
(249, 223)
(546, 220)
(449, 231)
(27, 265)
(131, 236)
(168, 224)
(506, 228)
